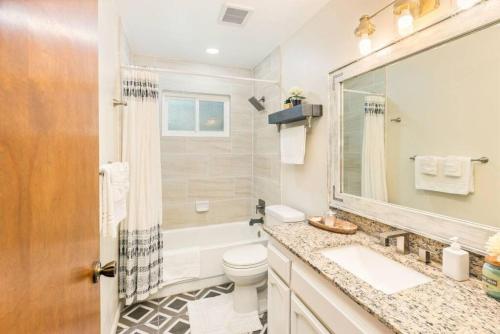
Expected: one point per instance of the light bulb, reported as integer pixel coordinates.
(466, 4)
(405, 23)
(212, 51)
(365, 44)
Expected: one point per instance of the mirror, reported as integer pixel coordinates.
(408, 129)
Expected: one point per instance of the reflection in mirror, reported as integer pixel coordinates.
(442, 106)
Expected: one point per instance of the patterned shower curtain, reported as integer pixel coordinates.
(373, 178)
(140, 269)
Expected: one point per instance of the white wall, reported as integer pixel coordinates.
(325, 43)
(112, 51)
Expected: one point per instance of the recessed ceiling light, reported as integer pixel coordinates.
(212, 51)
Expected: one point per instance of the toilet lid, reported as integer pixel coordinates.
(246, 256)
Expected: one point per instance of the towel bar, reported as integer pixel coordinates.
(482, 160)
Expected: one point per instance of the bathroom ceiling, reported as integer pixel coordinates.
(184, 29)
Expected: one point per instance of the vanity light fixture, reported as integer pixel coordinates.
(409, 10)
(212, 51)
(363, 31)
(466, 4)
(405, 23)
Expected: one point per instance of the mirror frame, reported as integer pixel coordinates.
(472, 235)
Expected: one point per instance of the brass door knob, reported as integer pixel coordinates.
(109, 270)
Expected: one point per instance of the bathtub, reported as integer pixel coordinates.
(213, 241)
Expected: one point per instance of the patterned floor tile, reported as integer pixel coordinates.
(179, 325)
(138, 314)
(140, 329)
(169, 315)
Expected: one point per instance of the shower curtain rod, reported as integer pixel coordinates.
(362, 92)
(220, 76)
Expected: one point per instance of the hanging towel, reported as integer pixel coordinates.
(113, 199)
(454, 175)
(181, 265)
(427, 164)
(453, 166)
(293, 145)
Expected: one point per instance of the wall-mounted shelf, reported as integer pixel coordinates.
(298, 113)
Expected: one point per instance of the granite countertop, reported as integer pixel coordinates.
(440, 306)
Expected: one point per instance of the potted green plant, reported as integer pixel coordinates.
(296, 95)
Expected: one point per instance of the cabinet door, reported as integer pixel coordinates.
(278, 305)
(303, 321)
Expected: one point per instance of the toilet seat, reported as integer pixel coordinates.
(246, 257)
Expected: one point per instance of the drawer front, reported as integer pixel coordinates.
(279, 262)
(278, 305)
(303, 321)
(338, 312)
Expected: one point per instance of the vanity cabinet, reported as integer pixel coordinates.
(278, 305)
(302, 321)
(301, 301)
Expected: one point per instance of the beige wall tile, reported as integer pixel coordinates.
(172, 145)
(243, 186)
(241, 121)
(262, 165)
(181, 166)
(182, 214)
(229, 211)
(241, 142)
(207, 145)
(211, 189)
(230, 165)
(174, 191)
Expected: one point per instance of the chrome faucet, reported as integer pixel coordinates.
(254, 221)
(402, 242)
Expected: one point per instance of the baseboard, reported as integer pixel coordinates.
(116, 318)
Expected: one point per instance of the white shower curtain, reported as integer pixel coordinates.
(140, 270)
(373, 178)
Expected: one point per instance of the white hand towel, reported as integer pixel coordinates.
(181, 265)
(427, 164)
(459, 185)
(452, 166)
(113, 198)
(293, 145)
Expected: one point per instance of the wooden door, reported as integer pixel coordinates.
(278, 305)
(49, 234)
(303, 320)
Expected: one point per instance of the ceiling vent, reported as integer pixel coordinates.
(235, 14)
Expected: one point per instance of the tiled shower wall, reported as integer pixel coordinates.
(266, 148)
(207, 168)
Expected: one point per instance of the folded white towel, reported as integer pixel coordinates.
(455, 175)
(181, 265)
(293, 145)
(452, 166)
(113, 198)
(427, 164)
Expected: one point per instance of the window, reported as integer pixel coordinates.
(195, 115)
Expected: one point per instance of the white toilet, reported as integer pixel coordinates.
(246, 266)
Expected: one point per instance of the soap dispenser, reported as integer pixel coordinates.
(456, 261)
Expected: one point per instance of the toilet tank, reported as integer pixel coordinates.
(279, 214)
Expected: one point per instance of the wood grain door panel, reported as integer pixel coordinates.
(49, 232)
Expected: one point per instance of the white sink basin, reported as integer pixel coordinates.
(375, 269)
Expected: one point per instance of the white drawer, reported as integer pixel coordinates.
(279, 262)
(333, 307)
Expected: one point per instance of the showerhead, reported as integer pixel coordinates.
(258, 104)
